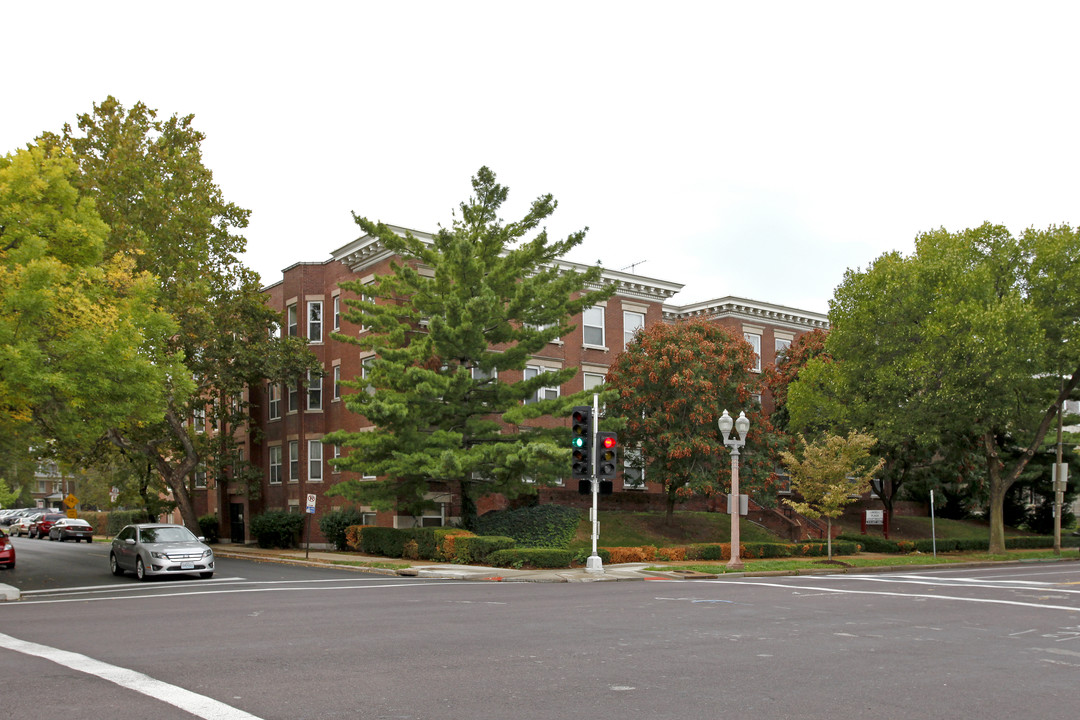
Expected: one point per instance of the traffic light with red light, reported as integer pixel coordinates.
(607, 455)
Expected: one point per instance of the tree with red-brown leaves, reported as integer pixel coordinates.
(672, 383)
(787, 368)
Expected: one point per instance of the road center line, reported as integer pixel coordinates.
(197, 705)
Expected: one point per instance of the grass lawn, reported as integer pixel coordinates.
(634, 529)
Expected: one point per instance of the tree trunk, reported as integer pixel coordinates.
(828, 534)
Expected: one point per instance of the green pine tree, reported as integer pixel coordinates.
(454, 318)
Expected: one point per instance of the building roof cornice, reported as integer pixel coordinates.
(368, 250)
(745, 309)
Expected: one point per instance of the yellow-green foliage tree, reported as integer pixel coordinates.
(830, 473)
(79, 327)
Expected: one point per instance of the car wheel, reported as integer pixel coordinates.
(140, 569)
(115, 566)
(206, 576)
(51, 538)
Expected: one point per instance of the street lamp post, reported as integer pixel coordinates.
(742, 426)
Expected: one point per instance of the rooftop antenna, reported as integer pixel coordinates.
(633, 265)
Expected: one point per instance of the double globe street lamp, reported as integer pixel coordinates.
(742, 426)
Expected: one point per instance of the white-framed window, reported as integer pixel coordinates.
(337, 382)
(367, 518)
(755, 342)
(479, 374)
(592, 380)
(294, 460)
(291, 319)
(333, 466)
(275, 465)
(782, 345)
(755, 398)
(592, 323)
(544, 393)
(314, 391)
(314, 321)
(314, 456)
(200, 476)
(199, 419)
(631, 323)
(633, 469)
(337, 313)
(365, 372)
(273, 401)
(294, 397)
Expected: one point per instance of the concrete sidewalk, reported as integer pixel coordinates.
(449, 571)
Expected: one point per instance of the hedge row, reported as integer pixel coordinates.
(440, 544)
(722, 551)
(531, 558)
(872, 543)
(540, 526)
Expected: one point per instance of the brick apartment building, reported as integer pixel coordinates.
(293, 420)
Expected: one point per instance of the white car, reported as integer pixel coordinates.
(149, 549)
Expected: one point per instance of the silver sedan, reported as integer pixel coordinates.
(150, 549)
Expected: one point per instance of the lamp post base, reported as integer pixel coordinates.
(735, 566)
(595, 564)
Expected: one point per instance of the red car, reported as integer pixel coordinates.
(40, 528)
(7, 552)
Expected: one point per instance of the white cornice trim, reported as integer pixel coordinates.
(744, 309)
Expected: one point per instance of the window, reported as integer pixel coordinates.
(294, 460)
(782, 345)
(755, 342)
(273, 394)
(199, 419)
(337, 382)
(290, 320)
(294, 401)
(633, 469)
(314, 454)
(631, 323)
(367, 518)
(314, 321)
(593, 380)
(337, 312)
(592, 320)
(275, 464)
(479, 374)
(314, 392)
(544, 393)
(365, 373)
(333, 466)
(200, 476)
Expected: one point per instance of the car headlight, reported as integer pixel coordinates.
(208, 554)
(158, 555)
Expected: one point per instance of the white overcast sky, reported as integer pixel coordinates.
(756, 149)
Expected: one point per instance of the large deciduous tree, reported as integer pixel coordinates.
(672, 382)
(80, 329)
(971, 342)
(455, 317)
(168, 217)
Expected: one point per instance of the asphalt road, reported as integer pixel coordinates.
(265, 640)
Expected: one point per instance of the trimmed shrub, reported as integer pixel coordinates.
(333, 525)
(645, 553)
(531, 558)
(479, 548)
(388, 542)
(277, 528)
(872, 543)
(208, 528)
(547, 526)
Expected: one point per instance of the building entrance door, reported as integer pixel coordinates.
(236, 522)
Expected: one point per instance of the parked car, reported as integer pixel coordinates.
(149, 549)
(71, 529)
(7, 551)
(40, 527)
(13, 517)
(21, 526)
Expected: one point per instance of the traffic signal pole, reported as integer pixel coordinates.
(594, 564)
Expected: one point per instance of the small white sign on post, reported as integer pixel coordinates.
(875, 517)
(311, 503)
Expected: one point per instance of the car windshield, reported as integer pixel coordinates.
(167, 534)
